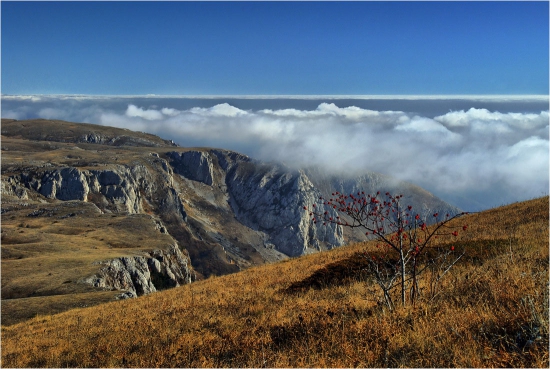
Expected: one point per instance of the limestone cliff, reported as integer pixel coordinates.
(271, 198)
(195, 165)
(120, 188)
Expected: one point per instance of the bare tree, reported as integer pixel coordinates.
(408, 246)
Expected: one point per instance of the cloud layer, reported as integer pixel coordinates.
(473, 158)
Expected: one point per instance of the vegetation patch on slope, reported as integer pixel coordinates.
(339, 273)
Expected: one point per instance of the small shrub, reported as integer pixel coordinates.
(409, 247)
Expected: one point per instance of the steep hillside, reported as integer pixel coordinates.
(491, 311)
(222, 211)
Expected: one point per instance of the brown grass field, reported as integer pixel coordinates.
(44, 257)
(492, 311)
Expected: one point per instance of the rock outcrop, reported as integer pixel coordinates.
(65, 184)
(123, 140)
(268, 198)
(141, 275)
(195, 165)
(271, 199)
(120, 188)
(10, 187)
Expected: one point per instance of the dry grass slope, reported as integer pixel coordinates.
(48, 248)
(492, 312)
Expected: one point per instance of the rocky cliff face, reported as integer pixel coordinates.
(271, 198)
(268, 198)
(117, 187)
(120, 188)
(195, 165)
(228, 210)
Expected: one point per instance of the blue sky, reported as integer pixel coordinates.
(275, 48)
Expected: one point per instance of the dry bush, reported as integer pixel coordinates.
(492, 311)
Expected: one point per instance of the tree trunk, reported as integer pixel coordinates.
(402, 259)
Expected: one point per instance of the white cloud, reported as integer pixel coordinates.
(150, 114)
(32, 98)
(518, 120)
(421, 124)
(351, 113)
(488, 157)
(169, 111)
(476, 158)
(11, 114)
(220, 110)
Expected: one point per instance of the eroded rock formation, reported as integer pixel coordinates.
(143, 274)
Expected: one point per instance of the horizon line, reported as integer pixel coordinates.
(305, 97)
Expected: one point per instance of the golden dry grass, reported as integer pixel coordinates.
(492, 312)
(46, 255)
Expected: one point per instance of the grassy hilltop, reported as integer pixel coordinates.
(492, 312)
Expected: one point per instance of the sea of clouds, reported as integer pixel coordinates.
(474, 158)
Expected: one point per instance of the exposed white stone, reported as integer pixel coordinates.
(141, 275)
